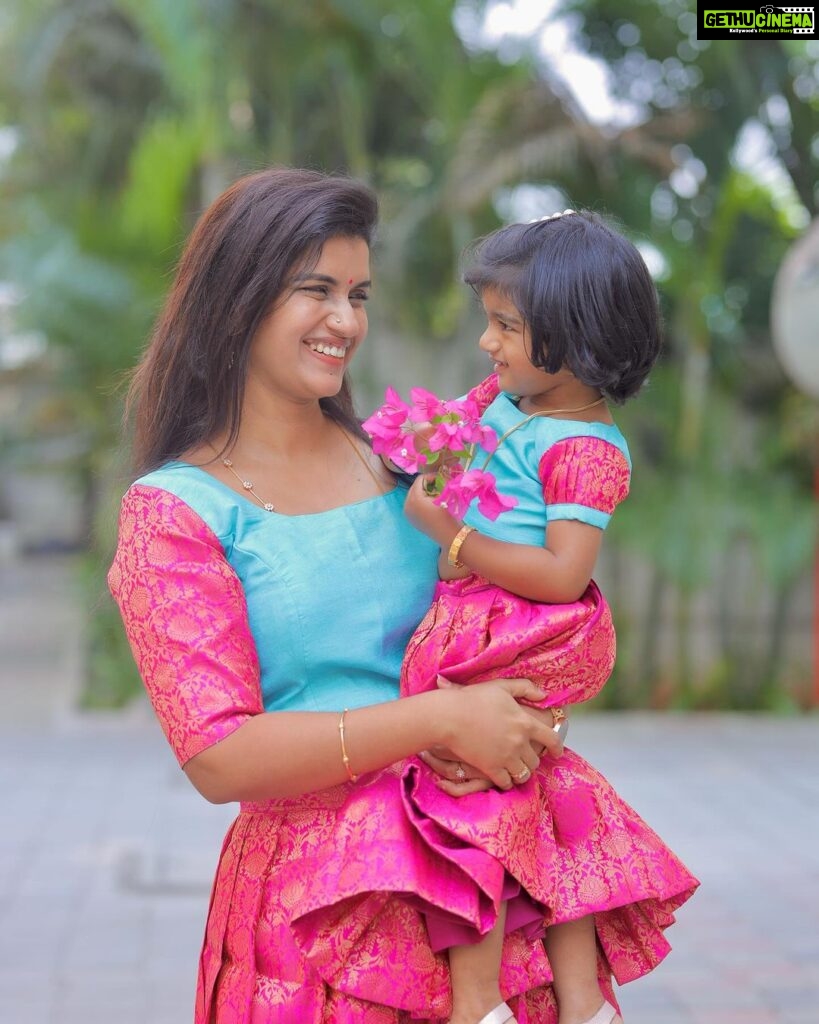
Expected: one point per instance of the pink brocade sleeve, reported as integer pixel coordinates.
(585, 471)
(486, 392)
(186, 619)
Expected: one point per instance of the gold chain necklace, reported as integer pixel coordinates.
(529, 418)
(248, 486)
(269, 506)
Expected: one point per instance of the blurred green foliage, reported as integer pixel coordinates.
(128, 116)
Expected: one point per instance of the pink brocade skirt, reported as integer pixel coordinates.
(320, 904)
(368, 960)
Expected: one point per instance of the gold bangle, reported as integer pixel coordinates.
(350, 775)
(456, 545)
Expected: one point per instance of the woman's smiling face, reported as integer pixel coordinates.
(303, 347)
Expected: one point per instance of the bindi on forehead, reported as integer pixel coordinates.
(350, 281)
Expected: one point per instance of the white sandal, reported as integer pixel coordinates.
(502, 1014)
(606, 1015)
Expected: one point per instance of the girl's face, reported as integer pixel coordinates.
(506, 341)
(303, 347)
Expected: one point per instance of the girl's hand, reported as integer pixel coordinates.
(449, 770)
(446, 458)
(459, 779)
(428, 517)
(495, 736)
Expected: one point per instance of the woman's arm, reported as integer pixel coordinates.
(186, 618)
(282, 754)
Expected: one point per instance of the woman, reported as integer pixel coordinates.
(265, 565)
(269, 581)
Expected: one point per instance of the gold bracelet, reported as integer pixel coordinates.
(456, 545)
(350, 775)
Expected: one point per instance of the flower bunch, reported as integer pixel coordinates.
(439, 437)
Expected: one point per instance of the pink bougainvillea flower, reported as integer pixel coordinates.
(388, 424)
(480, 435)
(491, 503)
(463, 488)
(405, 453)
(436, 436)
(451, 435)
(466, 408)
(488, 439)
(472, 432)
(425, 406)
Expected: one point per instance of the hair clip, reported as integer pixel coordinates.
(552, 216)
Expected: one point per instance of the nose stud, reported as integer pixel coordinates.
(337, 319)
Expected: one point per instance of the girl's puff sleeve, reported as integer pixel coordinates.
(486, 392)
(584, 478)
(186, 620)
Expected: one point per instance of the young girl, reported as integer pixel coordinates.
(572, 324)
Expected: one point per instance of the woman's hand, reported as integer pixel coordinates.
(428, 517)
(491, 733)
(458, 778)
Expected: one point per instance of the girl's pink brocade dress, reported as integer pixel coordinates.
(564, 837)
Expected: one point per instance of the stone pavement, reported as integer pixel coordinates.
(106, 852)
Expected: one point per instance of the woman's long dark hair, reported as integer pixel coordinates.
(189, 385)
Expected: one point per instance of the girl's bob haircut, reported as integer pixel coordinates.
(585, 294)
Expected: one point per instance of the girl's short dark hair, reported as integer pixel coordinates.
(245, 248)
(585, 294)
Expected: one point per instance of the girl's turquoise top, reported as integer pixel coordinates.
(516, 467)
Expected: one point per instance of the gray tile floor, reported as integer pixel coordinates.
(106, 853)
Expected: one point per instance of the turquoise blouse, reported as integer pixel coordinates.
(332, 597)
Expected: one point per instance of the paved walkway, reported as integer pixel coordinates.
(106, 853)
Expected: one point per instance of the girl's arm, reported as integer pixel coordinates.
(583, 480)
(556, 574)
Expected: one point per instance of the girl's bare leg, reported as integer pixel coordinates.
(475, 971)
(572, 952)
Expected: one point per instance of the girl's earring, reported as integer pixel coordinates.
(231, 360)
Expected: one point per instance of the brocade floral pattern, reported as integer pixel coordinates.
(186, 621)
(587, 471)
